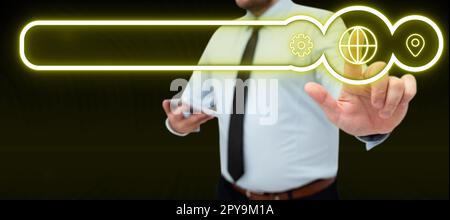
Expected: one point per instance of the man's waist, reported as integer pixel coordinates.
(280, 179)
(294, 193)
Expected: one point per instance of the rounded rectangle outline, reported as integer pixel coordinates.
(322, 60)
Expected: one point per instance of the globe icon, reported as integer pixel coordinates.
(360, 47)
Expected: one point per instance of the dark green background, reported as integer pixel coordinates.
(102, 135)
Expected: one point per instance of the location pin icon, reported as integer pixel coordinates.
(415, 44)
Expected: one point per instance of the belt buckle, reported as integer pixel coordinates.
(248, 193)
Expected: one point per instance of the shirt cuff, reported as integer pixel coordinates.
(176, 133)
(373, 140)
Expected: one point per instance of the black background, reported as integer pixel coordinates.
(102, 136)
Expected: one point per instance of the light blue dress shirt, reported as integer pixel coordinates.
(302, 145)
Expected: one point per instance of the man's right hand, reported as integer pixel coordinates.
(179, 123)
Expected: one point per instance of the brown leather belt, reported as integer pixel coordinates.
(298, 193)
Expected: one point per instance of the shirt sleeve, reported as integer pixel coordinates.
(329, 46)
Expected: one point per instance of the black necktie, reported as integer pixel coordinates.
(236, 129)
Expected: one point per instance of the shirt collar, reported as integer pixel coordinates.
(277, 11)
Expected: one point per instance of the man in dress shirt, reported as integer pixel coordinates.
(295, 157)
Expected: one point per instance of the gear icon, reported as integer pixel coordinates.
(301, 45)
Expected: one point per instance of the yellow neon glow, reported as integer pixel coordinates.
(358, 59)
(414, 45)
(322, 60)
(301, 45)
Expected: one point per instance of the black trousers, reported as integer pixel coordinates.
(225, 191)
